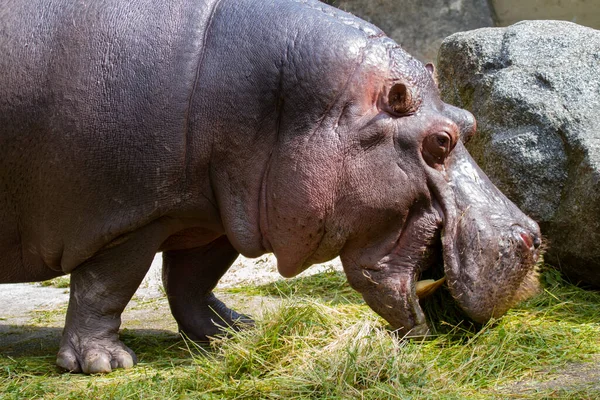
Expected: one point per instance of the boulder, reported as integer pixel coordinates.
(534, 88)
(420, 26)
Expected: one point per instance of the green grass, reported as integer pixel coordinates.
(322, 342)
(329, 286)
(60, 282)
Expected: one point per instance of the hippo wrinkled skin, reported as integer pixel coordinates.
(208, 129)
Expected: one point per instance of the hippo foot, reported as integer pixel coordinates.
(214, 319)
(92, 356)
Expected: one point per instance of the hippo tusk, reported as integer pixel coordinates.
(426, 287)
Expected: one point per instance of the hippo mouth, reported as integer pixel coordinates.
(430, 274)
(467, 281)
(433, 278)
(467, 237)
(429, 263)
(394, 285)
(426, 287)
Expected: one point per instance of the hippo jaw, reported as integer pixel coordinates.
(395, 287)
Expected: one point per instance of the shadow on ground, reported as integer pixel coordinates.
(22, 344)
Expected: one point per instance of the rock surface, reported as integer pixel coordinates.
(534, 88)
(420, 26)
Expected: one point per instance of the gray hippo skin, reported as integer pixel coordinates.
(206, 129)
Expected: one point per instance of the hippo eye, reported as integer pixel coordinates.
(436, 148)
(400, 100)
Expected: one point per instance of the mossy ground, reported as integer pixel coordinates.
(317, 339)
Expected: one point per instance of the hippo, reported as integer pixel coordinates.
(208, 129)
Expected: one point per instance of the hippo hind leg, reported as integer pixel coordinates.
(189, 277)
(101, 287)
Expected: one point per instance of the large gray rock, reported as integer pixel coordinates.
(420, 26)
(534, 88)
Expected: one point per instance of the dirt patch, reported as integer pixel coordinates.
(573, 377)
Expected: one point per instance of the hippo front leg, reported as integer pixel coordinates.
(101, 287)
(189, 277)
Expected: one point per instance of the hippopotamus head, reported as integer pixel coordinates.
(383, 179)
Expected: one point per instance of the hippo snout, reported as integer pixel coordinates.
(491, 260)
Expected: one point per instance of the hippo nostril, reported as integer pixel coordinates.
(527, 239)
(531, 240)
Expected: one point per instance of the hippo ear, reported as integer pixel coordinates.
(400, 100)
(431, 68)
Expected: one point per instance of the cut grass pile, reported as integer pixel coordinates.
(323, 342)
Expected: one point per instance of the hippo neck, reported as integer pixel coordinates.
(243, 96)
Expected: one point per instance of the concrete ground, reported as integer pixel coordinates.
(32, 316)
